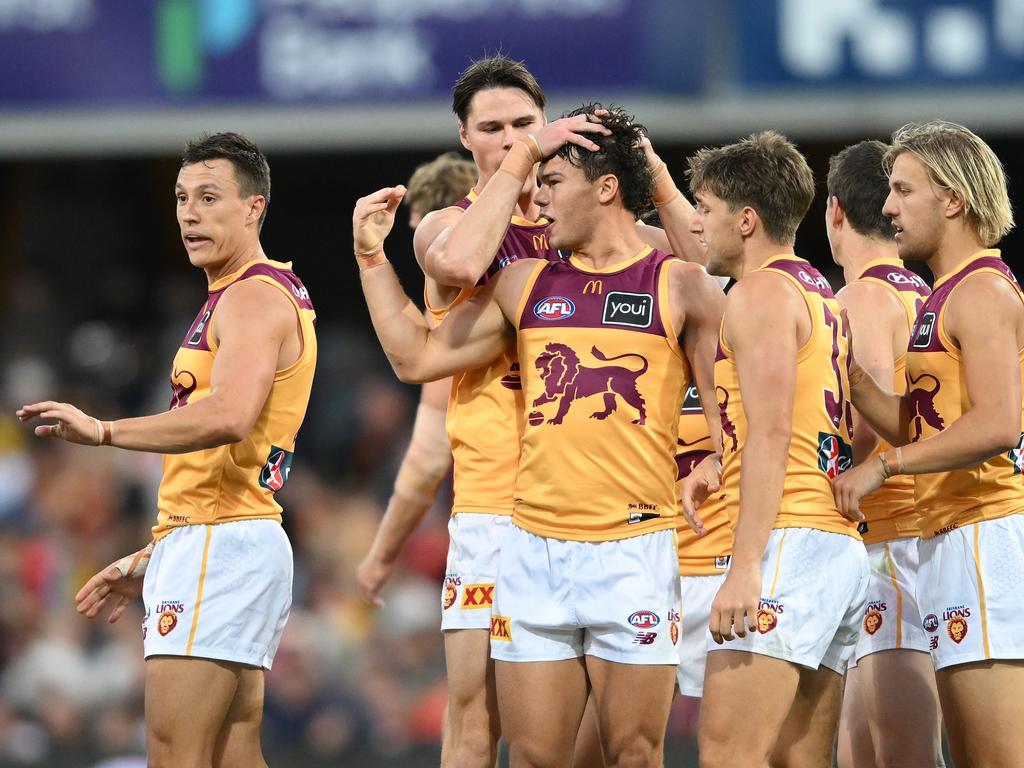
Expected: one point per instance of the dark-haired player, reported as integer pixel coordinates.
(217, 578)
(890, 707)
(588, 576)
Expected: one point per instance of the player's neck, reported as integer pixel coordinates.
(757, 251)
(957, 245)
(613, 240)
(234, 262)
(864, 250)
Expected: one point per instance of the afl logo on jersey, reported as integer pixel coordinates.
(554, 308)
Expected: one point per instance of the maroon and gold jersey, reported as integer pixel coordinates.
(485, 408)
(889, 512)
(938, 396)
(237, 481)
(709, 554)
(820, 447)
(603, 378)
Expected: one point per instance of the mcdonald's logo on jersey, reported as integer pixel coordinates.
(593, 286)
(540, 243)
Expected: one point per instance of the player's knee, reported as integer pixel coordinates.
(722, 753)
(638, 752)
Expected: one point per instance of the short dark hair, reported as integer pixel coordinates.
(857, 178)
(619, 154)
(441, 182)
(498, 71)
(251, 168)
(765, 171)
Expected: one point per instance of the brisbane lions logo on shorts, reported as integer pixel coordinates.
(275, 471)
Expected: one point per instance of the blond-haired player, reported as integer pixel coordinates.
(785, 620)
(890, 706)
(962, 418)
(217, 582)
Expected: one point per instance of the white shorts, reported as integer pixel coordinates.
(616, 600)
(219, 592)
(468, 591)
(892, 619)
(970, 592)
(697, 593)
(814, 586)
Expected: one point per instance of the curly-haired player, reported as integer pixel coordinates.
(588, 578)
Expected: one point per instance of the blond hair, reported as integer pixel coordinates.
(959, 161)
(442, 182)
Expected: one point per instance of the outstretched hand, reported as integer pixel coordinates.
(703, 480)
(372, 220)
(72, 424)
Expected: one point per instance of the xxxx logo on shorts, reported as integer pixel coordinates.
(167, 615)
(476, 596)
(501, 628)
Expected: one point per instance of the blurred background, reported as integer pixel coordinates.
(97, 98)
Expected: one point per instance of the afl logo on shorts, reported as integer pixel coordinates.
(930, 623)
(554, 308)
(644, 619)
(275, 471)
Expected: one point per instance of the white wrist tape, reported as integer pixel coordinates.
(133, 566)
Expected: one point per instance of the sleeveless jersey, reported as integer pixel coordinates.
(700, 555)
(603, 377)
(485, 407)
(938, 397)
(237, 481)
(820, 447)
(889, 512)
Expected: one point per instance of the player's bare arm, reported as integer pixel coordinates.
(698, 304)
(675, 212)
(766, 322)
(455, 247)
(474, 333)
(990, 342)
(254, 326)
(874, 316)
(425, 464)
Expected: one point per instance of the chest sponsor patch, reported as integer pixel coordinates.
(631, 309)
(925, 326)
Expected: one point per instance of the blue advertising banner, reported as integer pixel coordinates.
(135, 52)
(881, 42)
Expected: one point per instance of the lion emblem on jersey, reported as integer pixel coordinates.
(567, 380)
(922, 406)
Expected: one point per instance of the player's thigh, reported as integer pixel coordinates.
(187, 702)
(854, 749)
(238, 743)
(588, 753)
(808, 735)
(762, 687)
(541, 705)
(894, 691)
(984, 712)
(470, 670)
(630, 723)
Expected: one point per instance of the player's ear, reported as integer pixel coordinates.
(834, 211)
(257, 205)
(747, 220)
(463, 136)
(607, 188)
(955, 204)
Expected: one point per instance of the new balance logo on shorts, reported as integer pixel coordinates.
(645, 638)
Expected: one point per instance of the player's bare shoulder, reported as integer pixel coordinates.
(509, 285)
(432, 226)
(693, 291)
